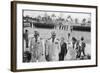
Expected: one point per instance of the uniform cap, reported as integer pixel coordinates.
(53, 33)
(36, 33)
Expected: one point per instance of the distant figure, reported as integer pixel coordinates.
(52, 48)
(26, 38)
(36, 48)
(83, 45)
(63, 51)
(31, 24)
(68, 36)
(78, 49)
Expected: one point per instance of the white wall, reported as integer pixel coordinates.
(5, 37)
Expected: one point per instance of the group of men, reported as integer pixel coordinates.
(52, 49)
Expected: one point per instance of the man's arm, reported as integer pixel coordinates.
(46, 47)
(59, 47)
(31, 46)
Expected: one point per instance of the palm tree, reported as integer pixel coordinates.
(84, 21)
(76, 20)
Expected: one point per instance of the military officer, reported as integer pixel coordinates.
(36, 48)
(52, 48)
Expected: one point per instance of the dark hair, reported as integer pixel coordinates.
(68, 34)
(27, 56)
(82, 38)
(26, 30)
(74, 39)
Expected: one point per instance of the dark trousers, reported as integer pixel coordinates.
(83, 51)
(78, 54)
(26, 43)
(61, 57)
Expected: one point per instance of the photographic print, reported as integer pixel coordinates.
(56, 36)
(53, 36)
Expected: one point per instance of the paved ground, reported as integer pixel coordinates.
(46, 33)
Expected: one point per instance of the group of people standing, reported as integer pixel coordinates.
(52, 49)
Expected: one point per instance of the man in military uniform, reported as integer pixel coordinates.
(36, 48)
(52, 48)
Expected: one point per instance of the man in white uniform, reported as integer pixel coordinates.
(52, 48)
(36, 48)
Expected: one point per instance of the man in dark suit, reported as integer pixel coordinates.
(63, 51)
(26, 38)
(83, 46)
